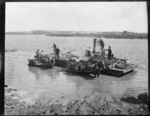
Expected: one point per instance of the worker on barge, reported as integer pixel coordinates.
(88, 52)
(109, 53)
(79, 64)
(37, 54)
(41, 56)
(54, 46)
(52, 60)
(57, 52)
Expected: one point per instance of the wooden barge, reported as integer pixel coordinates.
(115, 71)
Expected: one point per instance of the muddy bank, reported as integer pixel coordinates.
(93, 104)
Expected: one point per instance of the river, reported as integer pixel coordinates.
(32, 82)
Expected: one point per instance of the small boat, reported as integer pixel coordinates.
(45, 62)
(36, 63)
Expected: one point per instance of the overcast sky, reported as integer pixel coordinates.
(76, 16)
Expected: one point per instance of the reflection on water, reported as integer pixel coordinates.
(33, 82)
(58, 82)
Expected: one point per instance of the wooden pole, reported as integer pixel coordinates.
(94, 45)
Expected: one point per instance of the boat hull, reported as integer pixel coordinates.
(36, 63)
(107, 71)
(116, 72)
(61, 62)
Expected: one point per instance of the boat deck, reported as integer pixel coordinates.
(108, 71)
(116, 72)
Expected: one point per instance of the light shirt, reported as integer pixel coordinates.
(78, 60)
(90, 49)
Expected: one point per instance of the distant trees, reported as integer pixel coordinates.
(125, 34)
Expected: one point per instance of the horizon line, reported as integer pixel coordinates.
(73, 31)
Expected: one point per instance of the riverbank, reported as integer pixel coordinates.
(92, 104)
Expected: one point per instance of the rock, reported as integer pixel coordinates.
(131, 100)
(143, 97)
(144, 107)
(85, 109)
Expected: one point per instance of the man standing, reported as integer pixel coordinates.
(101, 43)
(41, 55)
(54, 46)
(109, 53)
(37, 54)
(89, 52)
(57, 52)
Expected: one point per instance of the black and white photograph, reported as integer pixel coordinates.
(76, 58)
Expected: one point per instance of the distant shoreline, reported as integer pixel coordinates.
(117, 35)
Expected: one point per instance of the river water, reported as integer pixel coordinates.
(32, 82)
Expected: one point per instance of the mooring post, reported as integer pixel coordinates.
(94, 45)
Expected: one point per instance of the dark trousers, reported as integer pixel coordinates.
(109, 56)
(57, 54)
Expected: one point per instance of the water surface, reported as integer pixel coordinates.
(33, 82)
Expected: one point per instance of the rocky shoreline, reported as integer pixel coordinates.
(93, 104)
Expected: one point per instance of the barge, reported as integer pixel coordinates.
(112, 67)
(110, 71)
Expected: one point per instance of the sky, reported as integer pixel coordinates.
(76, 16)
